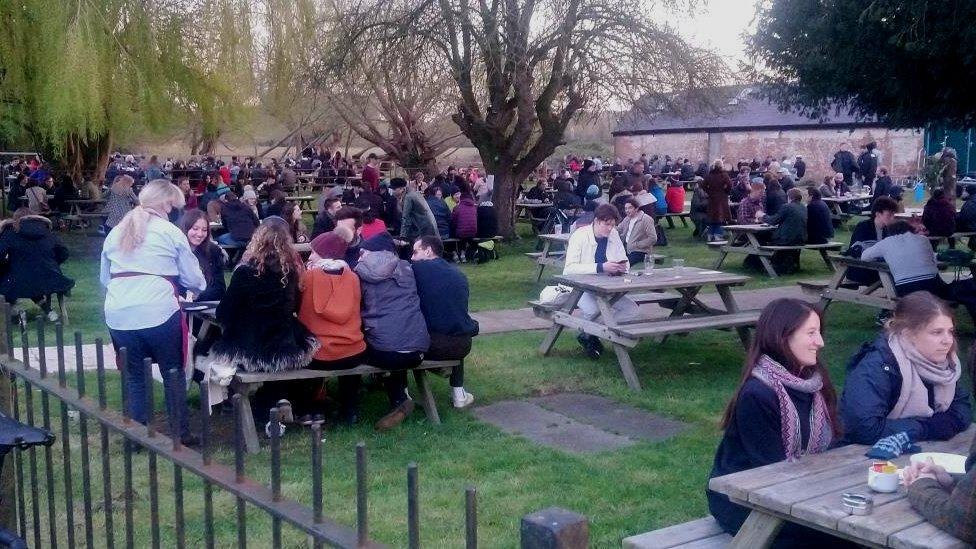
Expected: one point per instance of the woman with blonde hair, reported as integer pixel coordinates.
(145, 259)
(119, 200)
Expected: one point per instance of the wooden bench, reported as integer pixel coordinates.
(669, 217)
(822, 248)
(691, 323)
(704, 533)
(245, 384)
(937, 240)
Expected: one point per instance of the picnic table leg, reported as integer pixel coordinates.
(732, 307)
(826, 259)
(543, 257)
(758, 532)
(426, 396)
(623, 354)
(557, 328)
(766, 263)
(721, 257)
(670, 222)
(684, 222)
(889, 285)
(250, 431)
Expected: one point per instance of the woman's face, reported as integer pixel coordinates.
(198, 232)
(935, 339)
(805, 342)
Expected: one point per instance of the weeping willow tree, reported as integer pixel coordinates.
(82, 75)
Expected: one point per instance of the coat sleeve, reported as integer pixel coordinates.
(758, 422)
(961, 408)
(188, 267)
(953, 512)
(234, 298)
(875, 252)
(864, 408)
(60, 251)
(575, 262)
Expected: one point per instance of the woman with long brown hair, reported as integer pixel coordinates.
(785, 407)
(196, 226)
(908, 379)
(257, 312)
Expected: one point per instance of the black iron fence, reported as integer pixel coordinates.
(92, 435)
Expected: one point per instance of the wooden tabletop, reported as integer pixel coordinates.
(809, 492)
(561, 238)
(85, 201)
(754, 228)
(533, 204)
(852, 198)
(659, 279)
(860, 263)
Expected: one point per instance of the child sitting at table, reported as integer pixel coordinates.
(907, 379)
(785, 407)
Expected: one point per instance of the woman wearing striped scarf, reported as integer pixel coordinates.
(785, 407)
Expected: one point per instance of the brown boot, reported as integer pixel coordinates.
(396, 416)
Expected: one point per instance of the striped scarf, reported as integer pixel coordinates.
(777, 378)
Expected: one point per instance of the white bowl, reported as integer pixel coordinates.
(952, 463)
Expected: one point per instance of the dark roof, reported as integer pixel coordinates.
(743, 110)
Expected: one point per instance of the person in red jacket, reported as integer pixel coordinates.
(330, 309)
(464, 221)
(371, 174)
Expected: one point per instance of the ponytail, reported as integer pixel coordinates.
(157, 197)
(133, 229)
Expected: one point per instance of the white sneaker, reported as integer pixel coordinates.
(463, 402)
(52, 316)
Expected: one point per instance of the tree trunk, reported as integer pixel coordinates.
(503, 196)
(86, 157)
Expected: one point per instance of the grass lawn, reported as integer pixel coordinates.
(623, 492)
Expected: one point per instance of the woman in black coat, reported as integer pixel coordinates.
(820, 224)
(257, 312)
(32, 256)
(196, 227)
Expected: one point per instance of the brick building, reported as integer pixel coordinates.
(752, 127)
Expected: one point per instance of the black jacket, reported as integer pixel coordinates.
(820, 226)
(487, 222)
(443, 291)
(323, 224)
(871, 391)
(867, 165)
(844, 163)
(775, 199)
(260, 330)
(792, 221)
(31, 259)
(801, 168)
(966, 220)
(239, 220)
(216, 285)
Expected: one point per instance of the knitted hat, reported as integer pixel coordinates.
(249, 193)
(222, 189)
(592, 191)
(329, 246)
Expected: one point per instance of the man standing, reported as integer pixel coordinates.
(867, 164)
(800, 166)
(844, 163)
(443, 292)
(417, 219)
(371, 174)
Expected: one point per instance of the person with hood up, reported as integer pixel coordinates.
(395, 328)
(32, 256)
(330, 309)
(416, 217)
(587, 176)
(464, 223)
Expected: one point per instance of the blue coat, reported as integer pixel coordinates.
(871, 391)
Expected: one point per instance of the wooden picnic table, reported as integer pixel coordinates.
(687, 282)
(880, 294)
(742, 239)
(304, 201)
(836, 203)
(808, 492)
(78, 206)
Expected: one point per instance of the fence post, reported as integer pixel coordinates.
(8, 515)
(555, 528)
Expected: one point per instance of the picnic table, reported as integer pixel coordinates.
(80, 206)
(880, 294)
(743, 240)
(835, 202)
(523, 208)
(683, 283)
(304, 201)
(809, 491)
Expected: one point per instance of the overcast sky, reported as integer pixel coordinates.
(719, 25)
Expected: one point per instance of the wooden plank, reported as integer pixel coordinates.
(720, 541)
(261, 377)
(884, 521)
(781, 497)
(837, 259)
(854, 296)
(673, 536)
(680, 325)
(660, 279)
(925, 536)
(826, 510)
(593, 328)
(758, 531)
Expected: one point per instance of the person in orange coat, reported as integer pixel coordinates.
(330, 309)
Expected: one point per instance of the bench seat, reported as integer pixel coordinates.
(246, 383)
(665, 299)
(700, 534)
(537, 255)
(688, 324)
(828, 246)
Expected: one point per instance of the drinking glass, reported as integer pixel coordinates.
(679, 265)
(648, 264)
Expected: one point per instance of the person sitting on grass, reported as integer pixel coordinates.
(946, 502)
(820, 224)
(914, 267)
(598, 249)
(395, 328)
(637, 232)
(785, 408)
(443, 291)
(908, 379)
(31, 256)
(330, 309)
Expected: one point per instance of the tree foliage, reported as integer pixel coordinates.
(522, 70)
(82, 74)
(905, 62)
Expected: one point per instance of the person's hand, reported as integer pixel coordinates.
(614, 268)
(937, 472)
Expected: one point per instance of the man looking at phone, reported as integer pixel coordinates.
(597, 249)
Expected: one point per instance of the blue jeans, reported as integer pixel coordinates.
(227, 240)
(715, 229)
(163, 344)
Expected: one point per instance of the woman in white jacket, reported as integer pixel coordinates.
(597, 249)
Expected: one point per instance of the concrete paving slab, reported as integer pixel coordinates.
(549, 428)
(613, 417)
